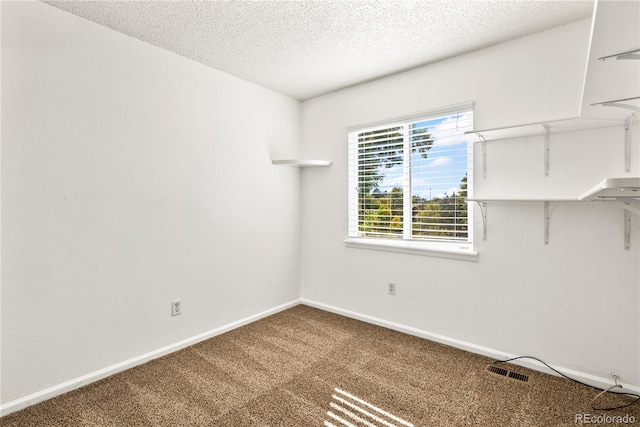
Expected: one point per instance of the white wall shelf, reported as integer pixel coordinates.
(521, 130)
(521, 200)
(546, 129)
(482, 203)
(622, 191)
(301, 163)
(612, 73)
(611, 88)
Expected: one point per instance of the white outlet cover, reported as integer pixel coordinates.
(391, 288)
(176, 307)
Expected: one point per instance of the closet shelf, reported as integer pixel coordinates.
(610, 189)
(623, 191)
(527, 200)
(550, 127)
(300, 163)
(570, 124)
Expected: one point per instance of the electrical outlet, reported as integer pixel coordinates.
(176, 307)
(391, 288)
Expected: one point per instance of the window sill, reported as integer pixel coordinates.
(459, 251)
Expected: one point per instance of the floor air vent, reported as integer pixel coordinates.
(519, 377)
(498, 371)
(509, 374)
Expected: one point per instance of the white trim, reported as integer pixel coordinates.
(70, 385)
(73, 384)
(301, 163)
(593, 380)
(391, 132)
(460, 251)
(449, 109)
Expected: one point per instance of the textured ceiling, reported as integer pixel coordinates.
(307, 48)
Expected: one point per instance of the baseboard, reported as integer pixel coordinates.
(67, 386)
(70, 385)
(595, 381)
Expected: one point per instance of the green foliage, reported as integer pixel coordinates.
(427, 219)
(439, 218)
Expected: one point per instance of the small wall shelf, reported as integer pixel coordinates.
(300, 163)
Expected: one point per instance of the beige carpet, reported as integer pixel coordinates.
(307, 367)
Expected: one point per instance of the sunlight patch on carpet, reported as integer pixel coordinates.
(351, 411)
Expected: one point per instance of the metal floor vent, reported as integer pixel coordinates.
(509, 374)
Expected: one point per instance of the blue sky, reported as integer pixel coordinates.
(446, 164)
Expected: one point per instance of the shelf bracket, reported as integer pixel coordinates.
(483, 211)
(626, 205)
(547, 222)
(627, 142)
(483, 145)
(632, 54)
(628, 210)
(627, 229)
(547, 138)
(619, 103)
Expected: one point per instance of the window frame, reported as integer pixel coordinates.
(463, 250)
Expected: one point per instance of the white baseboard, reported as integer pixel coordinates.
(73, 384)
(595, 381)
(70, 385)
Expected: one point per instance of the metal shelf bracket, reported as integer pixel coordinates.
(627, 229)
(483, 145)
(628, 210)
(627, 142)
(626, 205)
(632, 54)
(547, 223)
(483, 211)
(546, 149)
(619, 103)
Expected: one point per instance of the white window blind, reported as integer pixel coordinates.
(408, 178)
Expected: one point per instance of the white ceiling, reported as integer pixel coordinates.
(307, 48)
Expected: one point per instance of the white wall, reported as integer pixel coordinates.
(132, 177)
(125, 185)
(574, 303)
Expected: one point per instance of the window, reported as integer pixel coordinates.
(408, 179)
